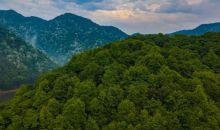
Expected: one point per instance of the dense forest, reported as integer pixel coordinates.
(19, 62)
(145, 82)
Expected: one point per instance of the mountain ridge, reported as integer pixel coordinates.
(62, 36)
(201, 29)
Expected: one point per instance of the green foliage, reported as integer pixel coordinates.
(74, 114)
(152, 82)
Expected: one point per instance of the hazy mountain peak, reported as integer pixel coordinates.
(201, 29)
(63, 36)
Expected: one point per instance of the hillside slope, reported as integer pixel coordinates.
(19, 62)
(61, 37)
(202, 29)
(152, 82)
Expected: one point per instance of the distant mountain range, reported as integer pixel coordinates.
(61, 37)
(19, 61)
(202, 29)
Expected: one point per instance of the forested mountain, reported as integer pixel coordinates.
(202, 29)
(145, 82)
(62, 36)
(19, 61)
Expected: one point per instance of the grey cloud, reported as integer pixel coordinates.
(83, 1)
(176, 6)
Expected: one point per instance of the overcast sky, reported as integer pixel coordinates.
(131, 16)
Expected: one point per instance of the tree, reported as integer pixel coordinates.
(138, 94)
(91, 72)
(113, 73)
(59, 123)
(1, 122)
(74, 114)
(30, 120)
(116, 126)
(97, 110)
(212, 60)
(153, 61)
(45, 118)
(210, 82)
(91, 124)
(156, 122)
(54, 107)
(136, 74)
(127, 111)
(61, 87)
